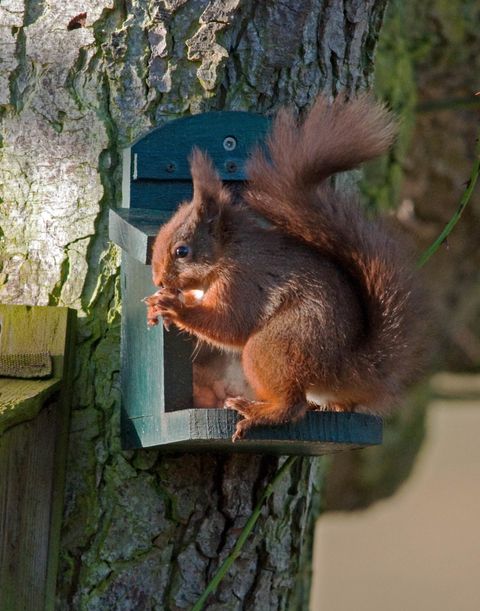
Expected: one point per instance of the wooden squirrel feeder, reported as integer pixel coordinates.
(36, 372)
(157, 380)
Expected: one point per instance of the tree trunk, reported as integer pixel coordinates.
(144, 531)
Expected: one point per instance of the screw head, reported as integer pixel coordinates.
(230, 143)
(231, 166)
(170, 167)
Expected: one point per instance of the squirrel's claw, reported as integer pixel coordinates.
(241, 428)
(245, 408)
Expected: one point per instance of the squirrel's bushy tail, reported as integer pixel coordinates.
(289, 188)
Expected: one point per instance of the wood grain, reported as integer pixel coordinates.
(25, 329)
(33, 441)
(134, 230)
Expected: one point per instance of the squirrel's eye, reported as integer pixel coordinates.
(182, 251)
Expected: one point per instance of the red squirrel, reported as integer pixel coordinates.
(318, 299)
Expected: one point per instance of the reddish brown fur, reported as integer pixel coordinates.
(322, 299)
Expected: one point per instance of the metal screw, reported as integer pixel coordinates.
(231, 166)
(230, 143)
(170, 167)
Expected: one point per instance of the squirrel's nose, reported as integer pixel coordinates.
(157, 279)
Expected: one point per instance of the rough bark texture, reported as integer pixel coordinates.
(143, 531)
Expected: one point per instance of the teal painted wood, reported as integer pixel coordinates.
(158, 163)
(134, 230)
(212, 429)
(227, 136)
(156, 369)
(154, 194)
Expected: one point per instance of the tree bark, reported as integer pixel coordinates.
(141, 530)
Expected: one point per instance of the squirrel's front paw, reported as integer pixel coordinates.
(165, 303)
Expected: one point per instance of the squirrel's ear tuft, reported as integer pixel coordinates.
(209, 193)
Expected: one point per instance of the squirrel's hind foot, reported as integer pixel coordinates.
(243, 406)
(246, 409)
(257, 413)
(242, 427)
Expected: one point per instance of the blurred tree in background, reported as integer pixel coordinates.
(427, 67)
